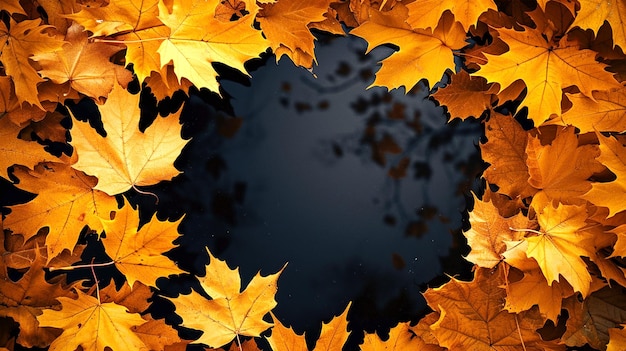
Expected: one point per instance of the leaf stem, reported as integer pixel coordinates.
(90, 265)
(526, 230)
(147, 193)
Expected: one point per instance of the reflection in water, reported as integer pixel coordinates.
(358, 190)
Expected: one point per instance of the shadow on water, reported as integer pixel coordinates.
(362, 192)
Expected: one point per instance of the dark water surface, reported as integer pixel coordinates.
(310, 173)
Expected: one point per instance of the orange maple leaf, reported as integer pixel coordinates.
(25, 299)
(285, 24)
(472, 317)
(198, 39)
(84, 64)
(546, 68)
(533, 289)
(489, 231)
(400, 338)
(333, 336)
(230, 312)
(617, 339)
(92, 325)
(17, 151)
(561, 169)
(65, 203)
(604, 112)
(426, 13)
(423, 53)
(137, 253)
(466, 96)
(505, 151)
(126, 157)
(23, 40)
(134, 22)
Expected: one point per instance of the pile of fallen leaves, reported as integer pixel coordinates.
(547, 237)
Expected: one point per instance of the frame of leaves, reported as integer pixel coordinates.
(547, 237)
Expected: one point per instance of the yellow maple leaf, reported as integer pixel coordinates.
(593, 14)
(92, 325)
(137, 253)
(229, 313)
(65, 203)
(560, 243)
(546, 68)
(198, 39)
(285, 24)
(126, 157)
(422, 54)
(333, 336)
(84, 64)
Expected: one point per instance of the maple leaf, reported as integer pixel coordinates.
(229, 313)
(138, 253)
(533, 289)
(472, 318)
(17, 151)
(589, 322)
(488, 233)
(465, 96)
(505, 151)
(92, 325)
(426, 13)
(545, 69)
(65, 203)
(23, 300)
(13, 6)
(617, 339)
(559, 245)
(84, 64)
(593, 14)
(19, 43)
(19, 254)
(285, 24)
(134, 22)
(333, 336)
(422, 54)
(561, 169)
(603, 112)
(156, 334)
(198, 38)
(126, 157)
(49, 128)
(400, 338)
(609, 194)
